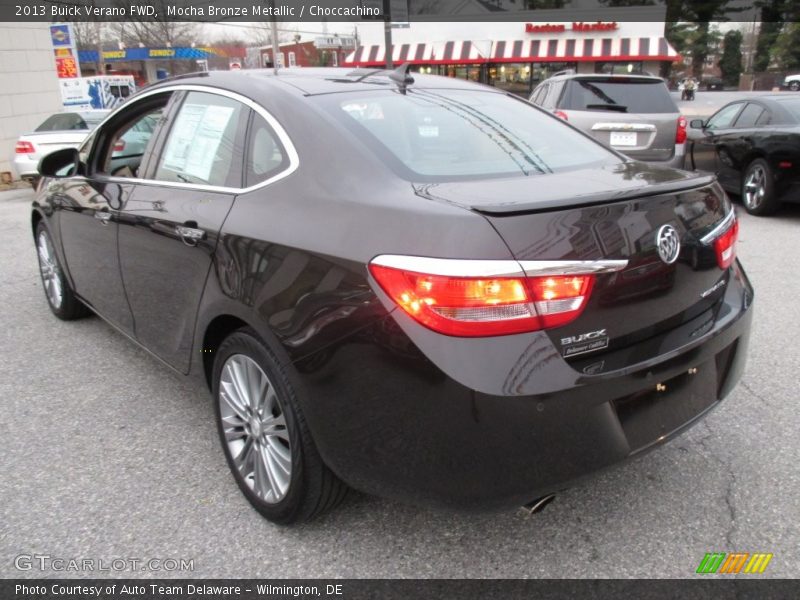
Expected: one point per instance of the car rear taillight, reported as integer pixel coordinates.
(680, 132)
(24, 148)
(119, 146)
(485, 305)
(561, 114)
(725, 245)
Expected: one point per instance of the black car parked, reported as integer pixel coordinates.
(420, 288)
(753, 146)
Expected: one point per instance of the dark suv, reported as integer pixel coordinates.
(634, 114)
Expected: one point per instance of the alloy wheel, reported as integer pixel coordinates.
(51, 272)
(254, 427)
(755, 187)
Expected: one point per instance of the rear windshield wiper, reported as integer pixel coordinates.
(614, 107)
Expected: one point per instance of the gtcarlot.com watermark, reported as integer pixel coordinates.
(59, 564)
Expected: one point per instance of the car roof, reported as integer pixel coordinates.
(310, 81)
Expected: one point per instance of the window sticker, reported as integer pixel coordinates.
(196, 139)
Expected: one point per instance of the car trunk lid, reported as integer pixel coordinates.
(619, 214)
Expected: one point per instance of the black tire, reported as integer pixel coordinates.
(758, 189)
(794, 86)
(312, 486)
(68, 307)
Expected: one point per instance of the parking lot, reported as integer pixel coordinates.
(106, 454)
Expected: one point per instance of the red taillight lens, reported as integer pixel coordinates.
(561, 114)
(680, 132)
(24, 148)
(725, 245)
(119, 146)
(485, 306)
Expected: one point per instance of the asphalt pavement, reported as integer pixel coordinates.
(105, 454)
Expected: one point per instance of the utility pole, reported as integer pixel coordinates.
(387, 33)
(275, 48)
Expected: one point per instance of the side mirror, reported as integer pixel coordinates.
(61, 163)
(697, 124)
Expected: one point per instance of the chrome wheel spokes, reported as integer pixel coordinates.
(255, 428)
(755, 187)
(51, 273)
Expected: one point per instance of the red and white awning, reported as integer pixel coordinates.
(538, 50)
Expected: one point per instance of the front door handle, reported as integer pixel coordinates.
(190, 235)
(103, 216)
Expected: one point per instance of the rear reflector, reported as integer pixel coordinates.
(24, 148)
(485, 305)
(680, 132)
(725, 245)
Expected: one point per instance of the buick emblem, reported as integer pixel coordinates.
(668, 244)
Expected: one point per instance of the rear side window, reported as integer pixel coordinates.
(435, 135)
(63, 122)
(204, 145)
(265, 153)
(618, 95)
(749, 116)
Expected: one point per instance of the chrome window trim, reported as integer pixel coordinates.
(721, 226)
(460, 267)
(291, 151)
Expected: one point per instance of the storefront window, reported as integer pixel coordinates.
(512, 77)
(619, 68)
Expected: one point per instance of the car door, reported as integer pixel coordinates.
(170, 223)
(737, 145)
(705, 143)
(87, 221)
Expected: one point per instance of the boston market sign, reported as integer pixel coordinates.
(579, 26)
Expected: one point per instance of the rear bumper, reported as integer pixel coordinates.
(25, 167)
(390, 422)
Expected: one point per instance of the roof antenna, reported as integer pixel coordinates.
(401, 77)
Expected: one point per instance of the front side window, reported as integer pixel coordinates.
(439, 135)
(724, 118)
(204, 145)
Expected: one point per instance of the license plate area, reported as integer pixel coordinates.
(623, 138)
(651, 414)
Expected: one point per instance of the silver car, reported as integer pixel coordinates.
(633, 114)
(60, 130)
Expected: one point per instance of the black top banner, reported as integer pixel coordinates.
(396, 11)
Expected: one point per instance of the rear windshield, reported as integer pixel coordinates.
(63, 122)
(442, 135)
(792, 105)
(618, 95)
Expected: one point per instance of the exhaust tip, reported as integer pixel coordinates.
(538, 505)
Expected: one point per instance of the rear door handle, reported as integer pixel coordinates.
(190, 235)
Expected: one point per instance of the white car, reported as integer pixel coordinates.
(792, 82)
(61, 130)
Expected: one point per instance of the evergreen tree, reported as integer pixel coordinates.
(731, 62)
